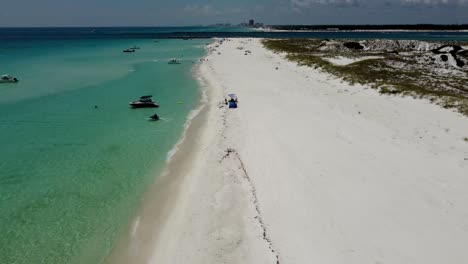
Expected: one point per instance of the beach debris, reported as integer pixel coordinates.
(228, 151)
(232, 153)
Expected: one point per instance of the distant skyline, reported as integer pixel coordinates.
(25, 13)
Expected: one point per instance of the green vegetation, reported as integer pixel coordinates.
(464, 54)
(373, 27)
(410, 79)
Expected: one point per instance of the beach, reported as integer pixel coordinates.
(308, 169)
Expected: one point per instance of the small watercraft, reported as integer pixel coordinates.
(135, 48)
(128, 50)
(154, 117)
(144, 102)
(8, 79)
(174, 61)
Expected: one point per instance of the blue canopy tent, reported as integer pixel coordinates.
(232, 100)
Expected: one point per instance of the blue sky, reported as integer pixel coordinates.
(184, 12)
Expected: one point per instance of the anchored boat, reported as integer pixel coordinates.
(144, 102)
(154, 117)
(8, 79)
(174, 61)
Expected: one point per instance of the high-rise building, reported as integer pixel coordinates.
(251, 23)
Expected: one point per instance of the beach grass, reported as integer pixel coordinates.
(463, 54)
(411, 80)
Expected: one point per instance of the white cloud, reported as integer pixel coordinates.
(354, 3)
(209, 10)
(308, 3)
(201, 10)
(434, 2)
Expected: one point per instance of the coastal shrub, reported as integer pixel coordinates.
(389, 90)
(406, 74)
(353, 45)
(463, 54)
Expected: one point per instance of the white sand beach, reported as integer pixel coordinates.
(310, 169)
(340, 60)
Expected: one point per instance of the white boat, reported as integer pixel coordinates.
(144, 102)
(8, 79)
(174, 61)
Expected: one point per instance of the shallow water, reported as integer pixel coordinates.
(75, 159)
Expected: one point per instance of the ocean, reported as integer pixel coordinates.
(75, 159)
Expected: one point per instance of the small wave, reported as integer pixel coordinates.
(449, 36)
(172, 152)
(187, 124)
(194, 113)
(135, 226)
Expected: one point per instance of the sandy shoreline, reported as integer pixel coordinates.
(307, 170)
(140, 237)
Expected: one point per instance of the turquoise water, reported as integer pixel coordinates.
(71, 174)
